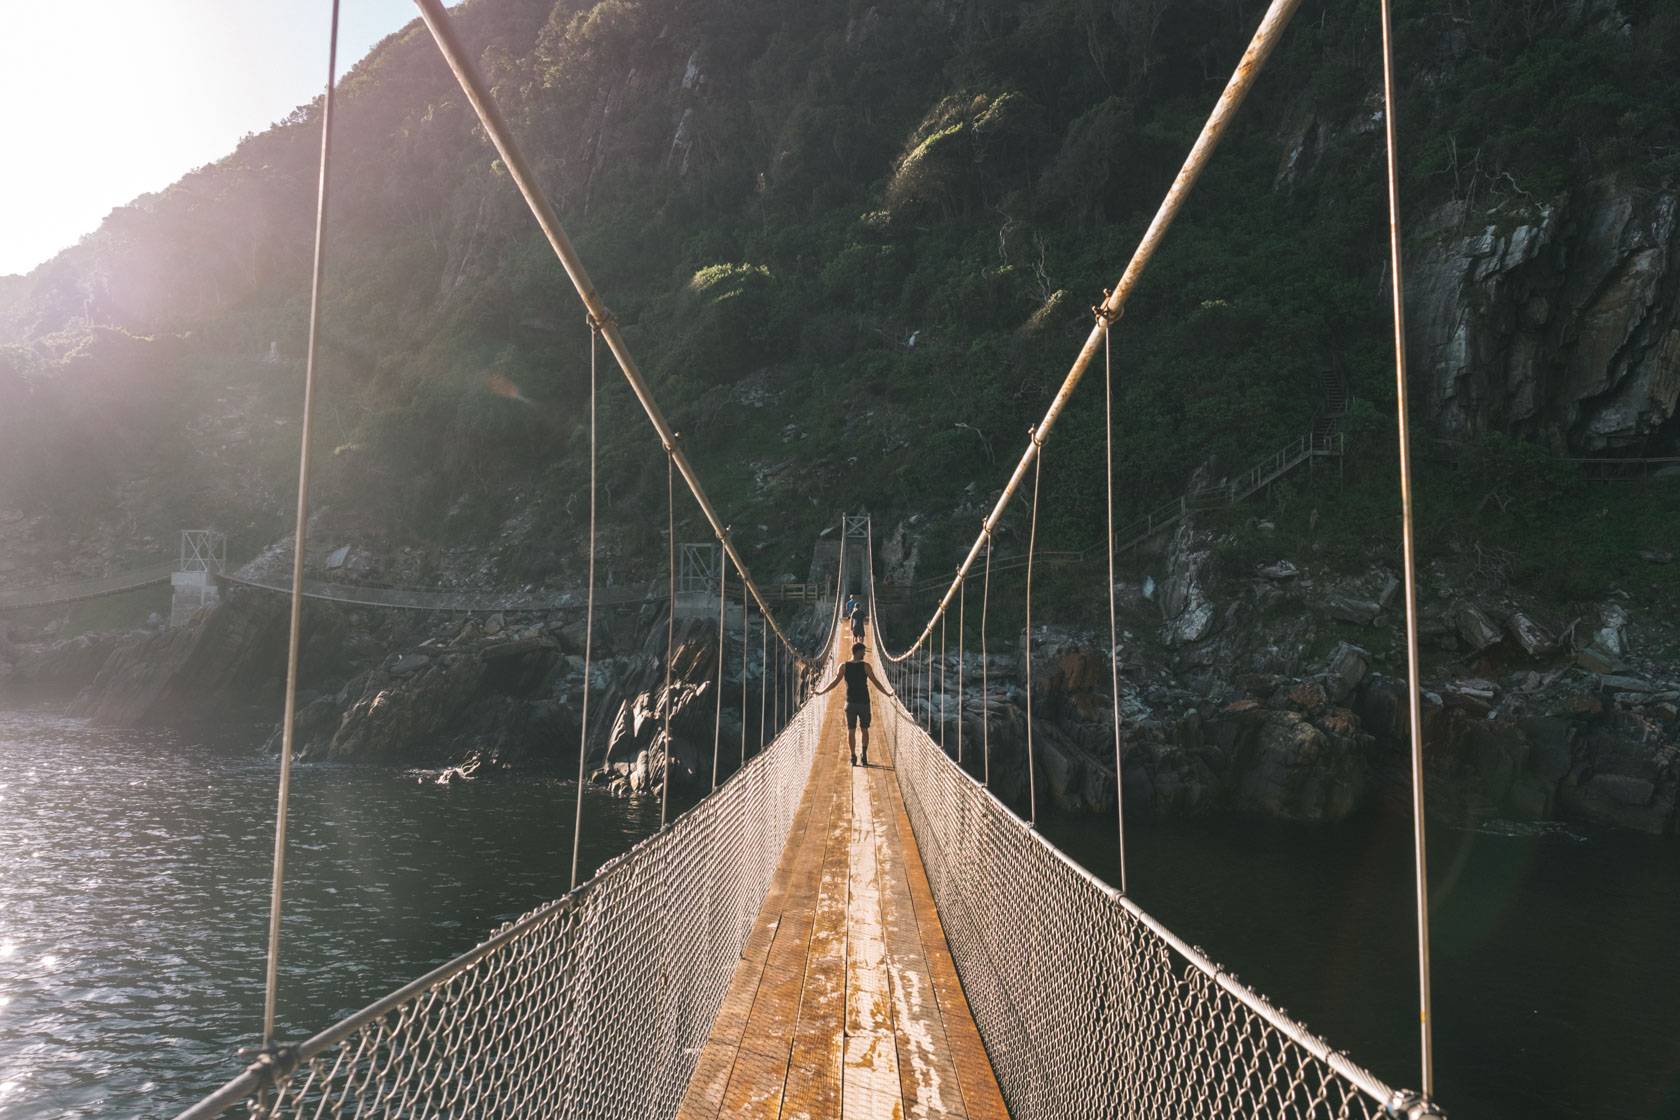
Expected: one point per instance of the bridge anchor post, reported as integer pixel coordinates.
(203, 558)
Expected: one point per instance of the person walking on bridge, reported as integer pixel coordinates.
(858, 675)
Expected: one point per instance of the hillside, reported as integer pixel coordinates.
(854, 245)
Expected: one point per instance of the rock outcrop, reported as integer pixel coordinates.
(1557, 323)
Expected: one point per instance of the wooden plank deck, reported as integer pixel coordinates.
(846, 1004)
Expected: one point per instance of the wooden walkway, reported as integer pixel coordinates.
(846, 1003)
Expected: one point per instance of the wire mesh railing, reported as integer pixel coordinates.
(1087, 1005)
(595, 1005)
(69, 591)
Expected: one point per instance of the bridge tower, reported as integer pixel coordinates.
(854, 545)
(203, 558)
(699, 568)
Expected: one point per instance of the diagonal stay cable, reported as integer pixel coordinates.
(1242, 80)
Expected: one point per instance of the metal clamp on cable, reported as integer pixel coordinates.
(1101, 311)
(1412, 1106)
(596, 326)
(274, 1062)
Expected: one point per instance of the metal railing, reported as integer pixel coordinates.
(1087, 1005)
(594, 1005)
(51, 594)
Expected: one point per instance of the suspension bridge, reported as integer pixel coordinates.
(814, 938)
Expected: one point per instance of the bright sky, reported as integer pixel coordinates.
(104, 100)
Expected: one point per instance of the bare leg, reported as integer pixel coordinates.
(866, 746)
(851, 743)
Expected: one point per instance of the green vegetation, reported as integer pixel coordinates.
(854, 250)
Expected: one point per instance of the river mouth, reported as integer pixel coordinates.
(134, 878)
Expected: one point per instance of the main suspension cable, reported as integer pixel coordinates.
(1242, 79)
(589, 611)
(460, 62)
(288, 724)
(1413, 707)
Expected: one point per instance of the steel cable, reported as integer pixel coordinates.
(1032, 542)
(1408, 541)
(723, 600)
(299, 546)
(1113, 626)
(589, 611)
(1242, 79)
(985, 691)
(670, 630)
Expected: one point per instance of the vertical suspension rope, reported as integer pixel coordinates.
(962, 615)
(723, 651)
(1032, 542)
(271, 982)
(1426, 1027)
(670, 627)
(746, 625)
(985, 691)
(941, 679)
(589, 608)
(1113, 626)
(763, 676)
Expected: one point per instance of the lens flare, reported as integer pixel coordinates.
(503, 387)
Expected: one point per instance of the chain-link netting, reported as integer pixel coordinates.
(1089, 1007)
(596, 1005)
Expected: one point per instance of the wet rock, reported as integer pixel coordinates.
(1535, 640)
(1361, 612)
(1656, 556)
(1299, 773)
(1610, 635)
(1476, 629)
(1472, 695)
(1348, 666)
(1309, 697)
(1281, 570)
(1595, 660)
(408, 663)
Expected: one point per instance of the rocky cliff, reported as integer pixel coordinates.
(1558, 322)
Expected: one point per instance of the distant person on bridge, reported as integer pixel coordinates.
(858, 675)
(857, 623)
(851, 605)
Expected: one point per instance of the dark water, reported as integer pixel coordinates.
(134, 879)
(1555, 952)
(134, 895)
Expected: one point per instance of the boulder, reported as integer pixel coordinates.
(1535, 640)
(1299, 773)
(1281, 570)
(1348, 666)
(1476, 628)
(1361, 612)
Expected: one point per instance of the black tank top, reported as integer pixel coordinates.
(857, 682)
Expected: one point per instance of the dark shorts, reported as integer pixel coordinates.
(857, 714)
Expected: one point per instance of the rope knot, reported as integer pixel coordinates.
(596, 326)
(1103, 315)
